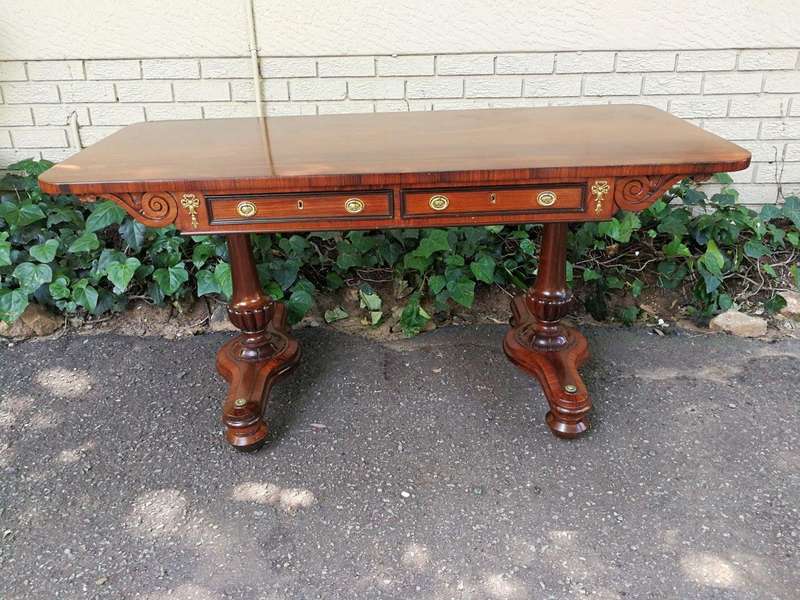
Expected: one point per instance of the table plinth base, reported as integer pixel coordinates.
(556, 370)
(250, 380)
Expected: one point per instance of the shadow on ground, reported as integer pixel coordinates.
(420, 469)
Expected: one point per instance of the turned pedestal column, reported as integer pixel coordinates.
(255, 359)
(539, 344)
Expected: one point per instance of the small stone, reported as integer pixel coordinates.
(219, 319)
(792, 308)
(405, 494)
(738, 323)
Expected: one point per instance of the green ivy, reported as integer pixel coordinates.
(95, 258)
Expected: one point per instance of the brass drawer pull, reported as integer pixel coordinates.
(354, 205)
(439, 202)
(246, 209)
(546, 198)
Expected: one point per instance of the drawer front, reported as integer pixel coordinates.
(275, 208)
(492, 201)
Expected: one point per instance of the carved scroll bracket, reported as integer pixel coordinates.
(637, 193)
(154, 209)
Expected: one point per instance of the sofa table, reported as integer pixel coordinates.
(377, 171)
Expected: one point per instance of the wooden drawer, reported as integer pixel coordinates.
(494, 200)
(275, 208)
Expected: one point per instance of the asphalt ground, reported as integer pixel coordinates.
(418, 469)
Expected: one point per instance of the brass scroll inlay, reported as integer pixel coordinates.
(599, 189)
(246, 209)
(546, 198)
(439, 202)
(191, 204)
(354, 205)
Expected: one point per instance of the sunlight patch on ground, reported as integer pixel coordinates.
(288, 499)
(708, 569)
(186, 591)
(715, 374)
(75, 454)
(415, 556)
(157, 513)
(45, 420)
(504, 587)
(11, 407)
(65, 383)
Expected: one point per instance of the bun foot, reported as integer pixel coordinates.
(566, 429)
(247, 439)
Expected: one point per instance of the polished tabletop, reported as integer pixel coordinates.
(381, 147)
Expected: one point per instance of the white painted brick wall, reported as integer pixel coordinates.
(750, 96)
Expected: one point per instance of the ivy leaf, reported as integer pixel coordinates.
(206, 283)
(591, 275)
(224, 279)
(637, 285)
(85, 295)
(121, 273)
(335, 314)
(369, 299)
(774, 304)
(434, 241)
(28, 213)
(59, 289)
(132, 232)
(5, 249)
(413, 318)
(436, 283)
(676, 248)
(462, 291)
(31, 276)
(713, 259)
(791, 210)
(300, 302)
(483, 269)
(46, 252)
(85, 243)
(12, 304)
(170, 279)
(105, 214)
(755, 249)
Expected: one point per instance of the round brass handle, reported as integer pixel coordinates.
(439, 202)
(354, 205)
(246, 209)
(546, 198)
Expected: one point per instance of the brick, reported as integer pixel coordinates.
(584, 62)
(788, 172)
(271, 90)
(116, 114)
(40, 138)
(673, 83)
(577, 102)
(656, 102)
(317, 89)
(87, 91)
(763, 60)
(113, 69)
(698, 107)
(404, 65)
(12, 71)
(757, 106)
(144, 91)
(501, 86)
(291, 108)
(375, 89)
(435, 87)
(465, 64)
(401, 105)
(288, 67)
(91, 135)
(613, 84)
(59, 114)
(226, 68)
(733, 129)
(783, 82)
(346, 107)
(744, 176)
(524, 64)
(628, 62)
(792, 152)
(707, 60)
(553, 85)
(169, 110)
(171, 68)
(780, 129)
(795, 107)
(346, 66)
(30, 93)
(764, 151)
(58, 154)
(11, 155)
(5, 138)
(202, 91)
(49, 70)
(15, 115)
(228, 110)
(732, 83)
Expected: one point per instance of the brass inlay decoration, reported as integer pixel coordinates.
(570, 389)
(246, 209)
(439, 202)
(191, 204)
(599, 189)
(299, 205)
(354, 205)
(546, 198)
(240, 402)
(492, 198)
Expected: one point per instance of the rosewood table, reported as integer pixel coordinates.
(376, 171)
